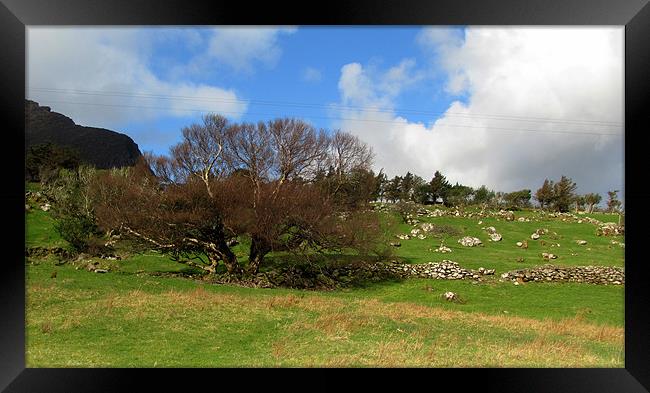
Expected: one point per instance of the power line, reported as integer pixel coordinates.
(335, 118)
(331, 106)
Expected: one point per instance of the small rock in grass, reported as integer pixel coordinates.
(495, 237)
(450, 296)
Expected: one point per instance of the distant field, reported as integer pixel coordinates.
(130, 318)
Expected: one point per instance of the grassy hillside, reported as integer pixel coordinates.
(131, 317)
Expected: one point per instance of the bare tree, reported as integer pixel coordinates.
(200, 152)
(225, 180)
(297, 146)
(347, 153)
(273, 156)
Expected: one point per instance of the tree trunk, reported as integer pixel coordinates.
(229, 258)
(259, 248)
(232, 265)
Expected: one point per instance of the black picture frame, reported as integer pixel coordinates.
(15, 15)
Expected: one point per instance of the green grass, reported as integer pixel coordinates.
(128, 319)
(115, 319)
(39, 228)
(503, 255)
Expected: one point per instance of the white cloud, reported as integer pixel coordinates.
(371, 87)
(312, 75)
(240, 47)
(109, 60)
(564, 74)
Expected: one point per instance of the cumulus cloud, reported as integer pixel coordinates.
(369, 86)
(113, 65)
(241, 47)
(526, 88)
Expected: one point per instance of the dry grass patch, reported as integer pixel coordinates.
(576, 327)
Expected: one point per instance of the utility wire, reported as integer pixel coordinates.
(332, 106)
(334, 118)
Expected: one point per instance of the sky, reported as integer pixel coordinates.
(505, 107)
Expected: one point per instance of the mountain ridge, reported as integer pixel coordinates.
(100, 147)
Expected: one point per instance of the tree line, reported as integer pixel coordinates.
(558, 196)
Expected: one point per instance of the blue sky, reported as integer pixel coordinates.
(502, 106)
(307, 72)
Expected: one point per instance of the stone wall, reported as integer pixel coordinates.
(604, 275)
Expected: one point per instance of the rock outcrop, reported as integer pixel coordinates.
(96, 146)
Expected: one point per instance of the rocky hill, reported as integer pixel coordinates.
(97, 146)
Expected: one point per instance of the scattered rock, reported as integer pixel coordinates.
(610, 229)
(534, 236)
(469, 241)
(101, 271)
(443, 249)
(46, 207)
(396, 244)
(519, 244)
(495, 237)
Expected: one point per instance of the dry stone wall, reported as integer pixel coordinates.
(604, 275)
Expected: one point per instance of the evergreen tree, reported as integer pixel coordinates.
(439, 187)
(393, 189)
(563, 194)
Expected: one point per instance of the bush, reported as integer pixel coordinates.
(406, 210)
(437, 230)
(43, 162)
(76, 230)
(72, 207)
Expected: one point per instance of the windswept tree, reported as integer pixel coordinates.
(226, 180)
(544, 194)
(592, 200)
(459, 195)
(613, 204)
(518, 199)
(275, 155)
(563, 194)
(482, 195)
(579, 202)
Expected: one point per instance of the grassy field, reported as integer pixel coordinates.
(131, 318)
